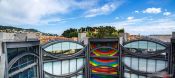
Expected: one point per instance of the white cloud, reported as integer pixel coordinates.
(145, 26)
(103, 10)
(29, 11)
(152, 10)
(167, 13)
(136, 11)
(130, 18)
(32, 11)
(117, 18)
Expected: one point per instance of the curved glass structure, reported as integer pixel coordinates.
(64, 67)
(22, 59)
(64, 48)
(65, 59)
(144, 57)
(103, 58)
(144, 46)
(145, 65)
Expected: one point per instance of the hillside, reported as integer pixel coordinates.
(11, 29)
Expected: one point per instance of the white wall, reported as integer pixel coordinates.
(2, 61)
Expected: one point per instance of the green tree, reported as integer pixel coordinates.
(70, 33)
(94, 32)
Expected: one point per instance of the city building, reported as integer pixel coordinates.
(19, 55)
(22, 56)
(165, 38)
(45, 39)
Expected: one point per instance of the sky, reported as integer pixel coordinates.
(143, 17)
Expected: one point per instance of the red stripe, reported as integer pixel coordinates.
(109, 70)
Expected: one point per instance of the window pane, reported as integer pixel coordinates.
(143, 45)
(160, 47)
(160, 65)
(56, 68)
(127, 75)
(142, 77)
(134, 44)
(127, 61)
(57, 48)
(73, 65)
(47, 67)
(151, 46)
(135, 63)
(65, 66)
(64, 47)
(151, 65)
(142, 64)
(134, 76)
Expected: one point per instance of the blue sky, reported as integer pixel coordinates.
(54, 16)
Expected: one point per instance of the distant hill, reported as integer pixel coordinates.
(11, 29)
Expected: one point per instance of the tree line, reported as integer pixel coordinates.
(94, 32)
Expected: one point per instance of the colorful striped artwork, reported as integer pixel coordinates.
(96, 45)
(103, 62)
(105, 52)
(102, 76)
(103, 69)
(104, 65)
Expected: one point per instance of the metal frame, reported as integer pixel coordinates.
(172, 58)
(57, 57)
(146, 56)
(109, 57)
(20, 44)
(86, 54)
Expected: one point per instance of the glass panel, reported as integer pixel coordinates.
(151, 46)
(80, 76)
(151, 65)
(73, 65)
(127, 61)
(64, 47)
(160, 65)
(29, 73)
(160, 47)
(57, 68)
(12, 52)
(48, 67)
(128, 45)
(49, 49)
(22, 62)
(134, 63)
(57, 48)
(143, 45)
(65, 66)
(134, 76)
(80, 63)
(68, 66)
(127, 75)
(142, 64)
(134, 45)
(142, 77)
